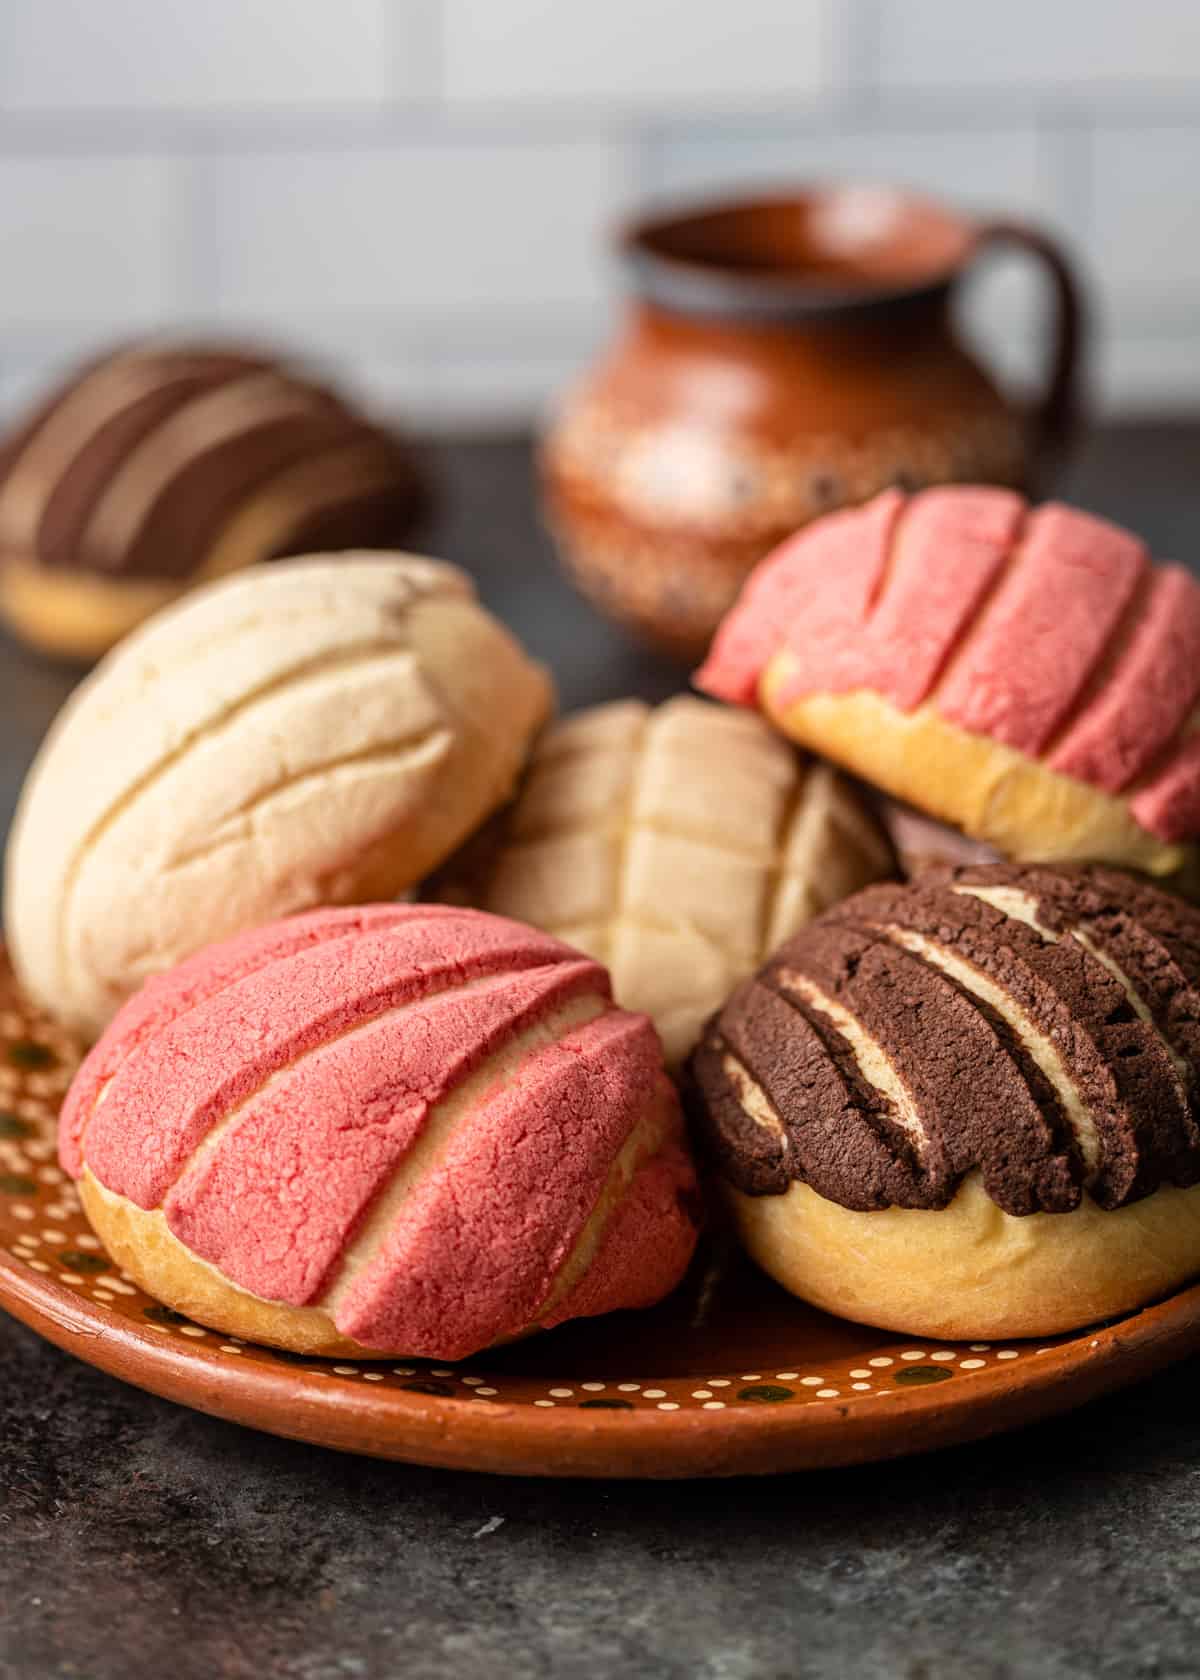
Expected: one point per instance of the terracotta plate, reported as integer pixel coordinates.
(729, 1376)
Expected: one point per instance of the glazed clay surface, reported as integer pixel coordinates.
(759, 383)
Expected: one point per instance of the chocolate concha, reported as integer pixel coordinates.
(1027, 675)
(159, 466)
(321, 731)
(967, 1107)
(397, 1129)
(677, 844)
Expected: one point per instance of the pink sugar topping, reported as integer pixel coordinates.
(1038, 640)
(1048, 631)
(267, 1093)
(825, 577)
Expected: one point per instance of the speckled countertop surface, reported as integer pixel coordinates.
(142, 1542)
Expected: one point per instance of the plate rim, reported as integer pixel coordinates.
(514, 1439)
(431, 1424)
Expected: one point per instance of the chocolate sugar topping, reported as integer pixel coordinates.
(1039, 1026)
(138, 466)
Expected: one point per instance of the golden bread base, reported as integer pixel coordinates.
(970, 1271)
(991, 792)
(71, 614)
(158, 1262)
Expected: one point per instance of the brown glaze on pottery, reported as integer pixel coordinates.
(783, 357)
(730, 1376)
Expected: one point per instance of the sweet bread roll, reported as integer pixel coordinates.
(967, 1107)
(159, 466)
(676, 844)
(311, 732)
(399, 1129)
(1024, 674)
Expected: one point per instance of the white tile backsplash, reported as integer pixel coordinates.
(1146, 223)
(1025, 45)
(622, 52)
(994, 169)
(471, 234)
(169, 55)
(507, 388)
(419, 191)
(1146, 374)
(84, 242)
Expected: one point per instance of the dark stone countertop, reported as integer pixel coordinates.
(139, 1541)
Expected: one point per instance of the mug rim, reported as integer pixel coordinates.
(680, 280)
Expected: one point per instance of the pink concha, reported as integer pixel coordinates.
(1153, 686)
(1046, 629)
(826, 577)
(417, 1117)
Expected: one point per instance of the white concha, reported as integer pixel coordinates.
(678, 845)
(323, 730)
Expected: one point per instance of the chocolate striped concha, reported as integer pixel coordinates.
(159, 466)
(969, 1106)
(311, 732)
(1025, 674)
(677, 844)
(389, 1130)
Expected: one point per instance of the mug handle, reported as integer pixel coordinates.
(1055, 417)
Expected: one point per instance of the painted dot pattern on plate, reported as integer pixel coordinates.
(43, 1231)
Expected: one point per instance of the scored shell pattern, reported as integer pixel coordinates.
(677, 845)
(43, 1232)
(177, 461)
(1065, 1007)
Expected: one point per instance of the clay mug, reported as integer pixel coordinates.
(783, 357)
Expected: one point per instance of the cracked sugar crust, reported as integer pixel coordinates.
(306, 733)
(426, 1127)
(1036, 648)
(1038, 1026)
(676, 844)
